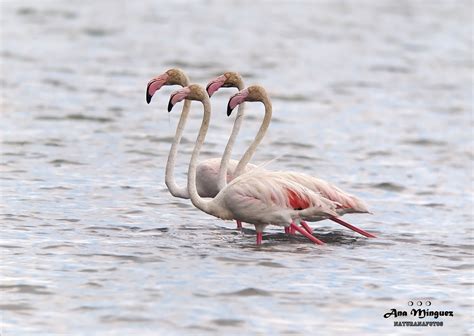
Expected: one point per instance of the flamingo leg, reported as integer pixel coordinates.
(306, 227)
(287, 229)
(239, 225)
(291, 230)
(306, 234)
(352, 227)
(259, 238)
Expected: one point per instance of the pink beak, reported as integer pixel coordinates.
(178, 96)
(236, 99)
(215, 85)
(154, 85)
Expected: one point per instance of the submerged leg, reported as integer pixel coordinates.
(291, 230)
(239, 225)
(352, 227)
(306, 234)
(259, 228)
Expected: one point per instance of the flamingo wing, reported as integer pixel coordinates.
(348, 203)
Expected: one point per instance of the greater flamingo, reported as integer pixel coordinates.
(207, 171)
(228, 80)
(257, 197)
(347, 203)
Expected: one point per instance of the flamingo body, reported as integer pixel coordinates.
(263, 197)
(207, 173)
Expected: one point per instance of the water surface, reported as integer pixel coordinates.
(375, 97)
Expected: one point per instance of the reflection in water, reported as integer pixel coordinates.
(91, 240)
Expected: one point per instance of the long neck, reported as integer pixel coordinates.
(222, 178)
(174, 189)
(199, 202)
(258, 138)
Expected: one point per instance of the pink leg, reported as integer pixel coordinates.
(306, 234)
(259, 238)
(291, 230)
(306, 227)
(352, 227)
(239, 225)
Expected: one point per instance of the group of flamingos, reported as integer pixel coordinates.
(238, 190)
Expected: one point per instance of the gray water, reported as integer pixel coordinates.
(373, 96)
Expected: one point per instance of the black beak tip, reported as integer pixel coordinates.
(147, 93)
(170, 106)
(229, 110)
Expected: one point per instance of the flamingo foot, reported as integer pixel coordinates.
(306, 227)
(259, 238)
(352, 227)
(239, 225)
(306, 234)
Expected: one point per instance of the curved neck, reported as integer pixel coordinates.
(174, 189)
(258, 138)
(199, 202)
(222, 177)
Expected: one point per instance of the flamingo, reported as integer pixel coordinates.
(347, 203)
(207, 171)
(257, 197)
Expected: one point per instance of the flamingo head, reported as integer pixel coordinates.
(253, 93)
(191, 92)
(170, 77)
(228, 79)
